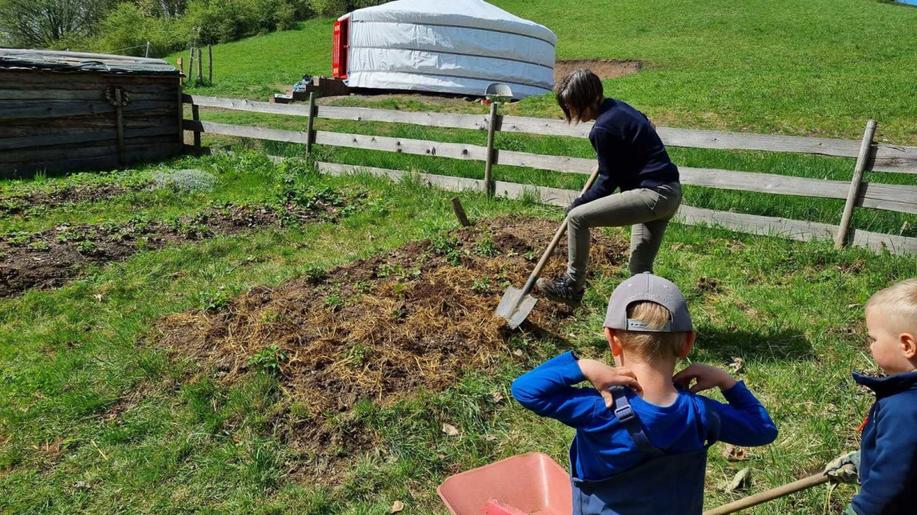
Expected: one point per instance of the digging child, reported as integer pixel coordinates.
(632, 159)
(886, 464)
(642, 432)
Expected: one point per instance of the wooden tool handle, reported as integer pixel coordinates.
(780, 491)
(554, 241)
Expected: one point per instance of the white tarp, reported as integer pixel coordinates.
(450, 46)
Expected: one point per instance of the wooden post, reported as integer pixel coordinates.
(210, 64)
(181, 116)
(489, 163)
(855, 184)
(310, 132)
(196, 116)
(181, 64)
(147, 52)
(200, 66)
(460, 212)
(119, 124)
(190, 66)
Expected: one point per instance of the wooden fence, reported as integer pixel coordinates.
(870, 157)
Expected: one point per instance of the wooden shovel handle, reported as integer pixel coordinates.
(554, 241)
(780, 491)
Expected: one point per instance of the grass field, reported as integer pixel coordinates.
(98, 416)
(133, 385)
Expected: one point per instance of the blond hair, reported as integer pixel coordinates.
(898, 303)
(651, 345)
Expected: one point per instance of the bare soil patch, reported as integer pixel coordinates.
(16, 204)
(50, 258)
(604, 68)
(379, 329)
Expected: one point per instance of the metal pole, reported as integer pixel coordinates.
(147, 52)
(488, 165)
(854, 192)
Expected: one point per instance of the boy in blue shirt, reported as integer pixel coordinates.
(886, 464)
(642, 433)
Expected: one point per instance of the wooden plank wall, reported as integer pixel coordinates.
(61, 122)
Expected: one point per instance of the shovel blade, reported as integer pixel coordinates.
(514, 307)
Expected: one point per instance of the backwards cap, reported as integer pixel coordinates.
(648, 287)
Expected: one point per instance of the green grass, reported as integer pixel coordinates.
(96, 417)
(804, 67)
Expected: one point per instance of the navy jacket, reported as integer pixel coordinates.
(888, 450)
(603, 447)
(630, 153)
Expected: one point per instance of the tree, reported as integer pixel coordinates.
(46, 23)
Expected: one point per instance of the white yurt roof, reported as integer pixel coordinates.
(452, 46)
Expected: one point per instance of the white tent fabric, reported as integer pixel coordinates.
(449, 46)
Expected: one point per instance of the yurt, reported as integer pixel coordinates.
(444, 46)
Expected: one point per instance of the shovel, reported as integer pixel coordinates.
(516, 304)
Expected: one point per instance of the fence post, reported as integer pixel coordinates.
(855, 184)
(147, 52)
(488, 165)
(190, 67)
(210, 64)
(196, 116)
(200, 66)
(310, 133)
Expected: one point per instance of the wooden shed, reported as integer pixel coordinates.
(67, 111)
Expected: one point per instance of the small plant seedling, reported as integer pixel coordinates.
(315, 274)
(486, 247)
(39, 245)
(334, 301)
(86, 247)
(481, 285)
(213, 299)
(449, 248)
(268, 359)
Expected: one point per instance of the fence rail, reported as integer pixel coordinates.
(889, 197)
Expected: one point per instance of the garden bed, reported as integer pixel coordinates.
(50, 258)
(379, 329)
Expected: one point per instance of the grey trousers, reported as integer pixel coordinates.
(646, 210)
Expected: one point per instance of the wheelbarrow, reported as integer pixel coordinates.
(525, 484)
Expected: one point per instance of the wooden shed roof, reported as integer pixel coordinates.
(55, 60)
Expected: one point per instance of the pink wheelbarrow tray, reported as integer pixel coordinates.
(530, 483)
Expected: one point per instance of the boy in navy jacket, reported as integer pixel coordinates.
(886, 464)
(642, 433)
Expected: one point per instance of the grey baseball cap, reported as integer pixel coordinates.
(648, 287)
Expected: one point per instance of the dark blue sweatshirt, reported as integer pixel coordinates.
(602, 446)
(888, 450)
(630, 153)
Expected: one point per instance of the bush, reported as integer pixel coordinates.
(127, 29)
(329, 7)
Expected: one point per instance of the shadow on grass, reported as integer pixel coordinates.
(719, 345)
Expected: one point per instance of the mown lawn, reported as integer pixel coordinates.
(96, 416)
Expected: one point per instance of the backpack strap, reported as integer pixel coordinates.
(629, 420)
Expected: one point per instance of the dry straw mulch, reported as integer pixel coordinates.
(382, 328)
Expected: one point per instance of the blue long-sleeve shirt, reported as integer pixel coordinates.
(630, 152)
(603, 447)
(888, 449)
